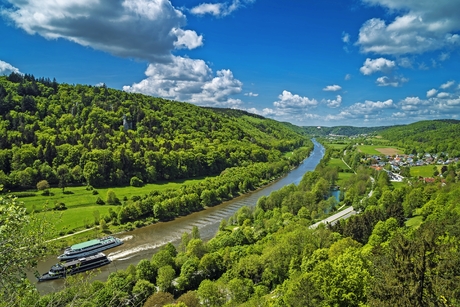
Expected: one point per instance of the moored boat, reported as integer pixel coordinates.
(63, 269)
(89, 248)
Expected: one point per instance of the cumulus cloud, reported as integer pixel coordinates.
(251, 94)
(334, 103)
(289, 101)
(393, 81)
(189, 80)
(332, 88)
(219, 9)
(421, 26)
(443, 95)
(381, 64)
(141, 29)
(447, 85)
(346, 37)
(369, 107)
(7, 68)
(431, 93)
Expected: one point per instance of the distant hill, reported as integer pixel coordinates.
(342, 130)
(433, 136)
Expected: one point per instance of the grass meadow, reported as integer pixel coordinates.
(424, 170)
(82, 210)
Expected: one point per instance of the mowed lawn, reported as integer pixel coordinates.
(379, 150)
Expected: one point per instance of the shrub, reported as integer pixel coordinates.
(136, 182)
(95, 192)
(59, 206)
(99, 201)
(135, 198)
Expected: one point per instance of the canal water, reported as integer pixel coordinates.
(143, 242)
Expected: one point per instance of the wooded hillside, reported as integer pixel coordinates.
(73, 134)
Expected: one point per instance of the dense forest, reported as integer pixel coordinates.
(271, 256)
(402, 248)
(433, 137)
(73, 134)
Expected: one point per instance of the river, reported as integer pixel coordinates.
(143, 242)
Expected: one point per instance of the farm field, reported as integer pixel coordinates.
(379, 150)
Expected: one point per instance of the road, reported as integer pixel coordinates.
(344, 214)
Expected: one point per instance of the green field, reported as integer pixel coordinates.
(386, 150)
(337, 146)
(342, 175)
(424, 170)
(81, 203)
(338, 162)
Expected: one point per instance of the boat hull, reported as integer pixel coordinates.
(70, 255)
(77, 266)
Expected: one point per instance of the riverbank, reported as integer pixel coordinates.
(142, 243)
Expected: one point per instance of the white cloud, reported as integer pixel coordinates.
(431, 93)
(208, 8)
(189, 80)
(421, 26)
(447, 85)
(391, 81)
(187, 39)
(7, 68)
(311, 116)
(381, 64)
(141, 29)
(334, 103)
(332, 88)
(347, 77)
(251, 94)
(288, 100)
(444, 56)
(399, 114)
(346, 37)
(405, 62)
(369, 107)
(219, 9)
(443, 95)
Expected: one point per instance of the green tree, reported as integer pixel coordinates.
(64, 176)
(166, 275)
(111, 198)
(211, 294)
(43, 185)
(22, 241)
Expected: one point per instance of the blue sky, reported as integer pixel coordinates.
(311, 63)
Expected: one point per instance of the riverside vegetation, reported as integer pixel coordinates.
(269, 256)
(73, 136)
